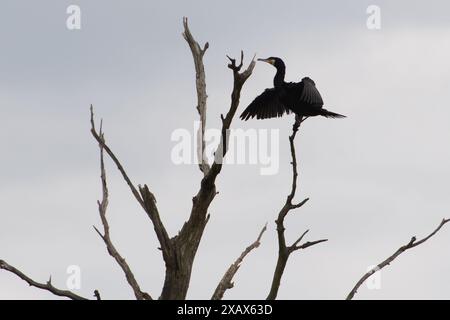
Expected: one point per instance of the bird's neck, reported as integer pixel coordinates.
(278, 81)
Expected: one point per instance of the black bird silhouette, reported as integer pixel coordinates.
(301, 98)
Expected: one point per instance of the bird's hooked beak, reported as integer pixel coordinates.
(269, 61)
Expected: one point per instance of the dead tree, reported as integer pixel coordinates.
(179, 251)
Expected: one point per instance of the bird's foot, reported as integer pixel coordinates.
(298, 122)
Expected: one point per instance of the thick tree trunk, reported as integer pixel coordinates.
(184, 246)
(177, 279)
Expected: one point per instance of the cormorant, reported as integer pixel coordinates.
(301, 98)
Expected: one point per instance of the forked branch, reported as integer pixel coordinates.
(284, 251)
(102, 207)
(185, 244)
(143, 196)
(411, 244)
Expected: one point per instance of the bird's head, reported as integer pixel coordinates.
(276, 62)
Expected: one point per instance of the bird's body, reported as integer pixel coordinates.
(301, 98)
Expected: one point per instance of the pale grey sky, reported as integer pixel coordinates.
(375, 179)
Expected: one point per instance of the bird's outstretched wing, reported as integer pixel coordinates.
(266, 105)
(309, 93)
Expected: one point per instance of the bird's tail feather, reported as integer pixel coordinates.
(329, 114)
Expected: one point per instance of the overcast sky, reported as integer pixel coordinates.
(375, 178)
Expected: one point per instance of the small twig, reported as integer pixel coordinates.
(411, 244)
(226, 281)
(160, 230)
(44, 286)
(299, 205)
(97, 295)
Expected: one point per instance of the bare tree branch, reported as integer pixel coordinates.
(299, 239)
(44, 286)
(160, 230)
(411, 244)
(284, 251)
(226, 281)
(239, 80)
(115, 159)
(102, 206)
(200, 81)
(144, 197)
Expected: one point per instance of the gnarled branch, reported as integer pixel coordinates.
(44, 286)
(284, 251)
(102, 206)
(239, 79)
(226, 281)
(148, 203)
(411, 244)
